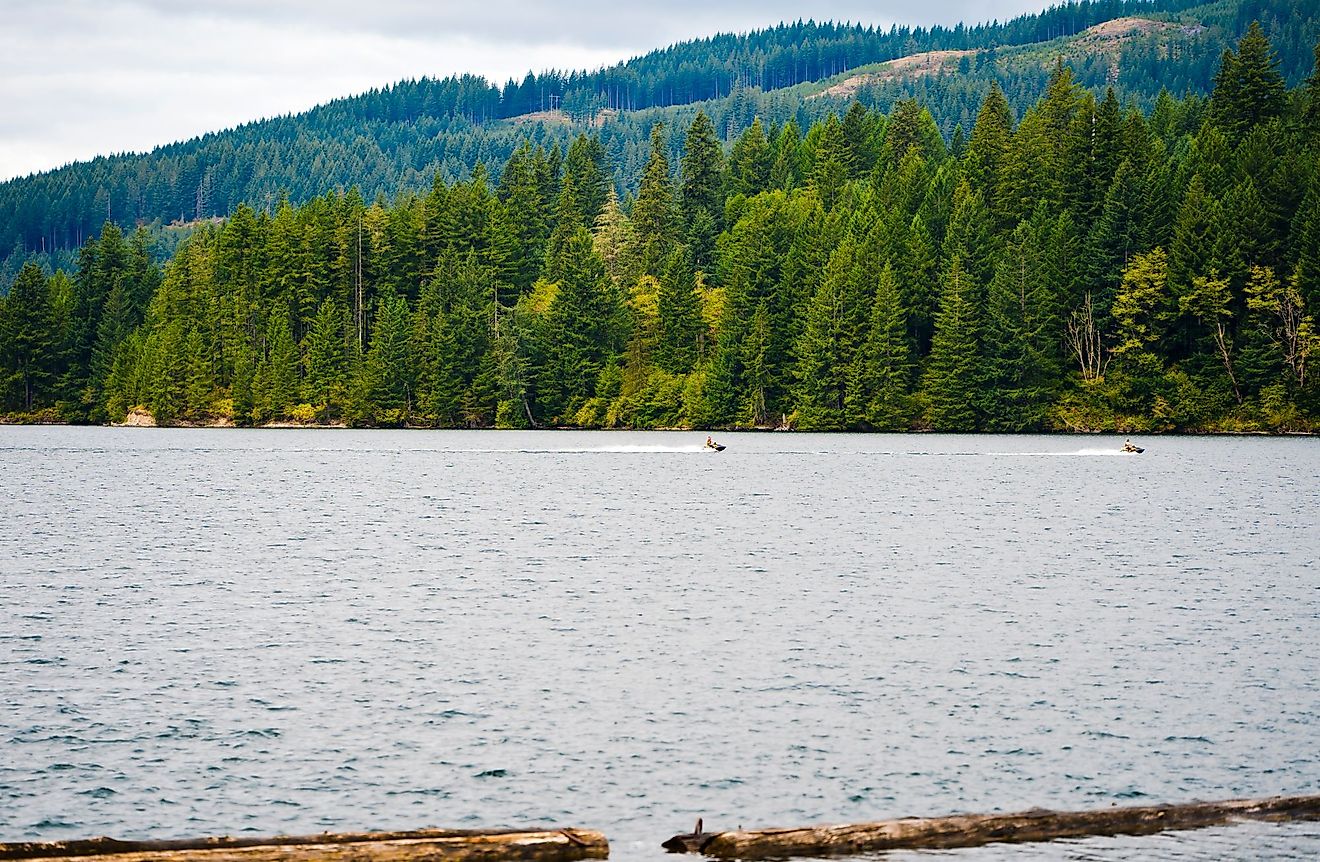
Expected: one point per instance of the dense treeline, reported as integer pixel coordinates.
(1083, 267)
(400, 137)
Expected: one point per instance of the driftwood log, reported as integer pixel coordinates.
(973, 830)
(451, 845)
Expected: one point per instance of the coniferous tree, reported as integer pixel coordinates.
(785, 169)
(1249, 88)
(1020, 333)
(826, 349)
(504, 375)
(568, 223)
(614, 240)
(679, 315)
(716, 403)
(388, 370)
(830, 171)
(953, 376)
(1193, 236)
(524, 216)
(166, 355)
(987, 148)
(115, 326)
(757, 367)
(586, 166)
(918, 273)
(702, 191)
(970, 236)
(584, 320)
(1143, 311)
(28, 339)
(200, 381)
(1306, 241)
(1311, 117)
(884, 375)
(324, 360)
(911, 128)
(1119, 234)
(653, 217)
(443, 386)
(279, 372)
(750, 161)
(861, 136)
(244, 385)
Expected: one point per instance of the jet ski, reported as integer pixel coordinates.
(1132, 450)
(713, 446)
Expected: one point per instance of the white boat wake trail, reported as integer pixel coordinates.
(695, 447)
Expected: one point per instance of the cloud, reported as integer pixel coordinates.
(588, 23)
(89, 77)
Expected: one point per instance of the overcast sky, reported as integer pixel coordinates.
(80, 78)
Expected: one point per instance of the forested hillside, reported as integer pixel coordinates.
(399, 138)
(1085, 266)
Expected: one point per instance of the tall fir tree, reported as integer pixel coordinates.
(679, 315)
(1249, 88)
(988, 146)
(953, 378)
(28, 345)
(827, 347)
(1021, 335)
(701, 194)
(831, 167)
(388, 382)
(885, 363)
(280, 369)
(324, 358)
(653, 214)
(750, 161)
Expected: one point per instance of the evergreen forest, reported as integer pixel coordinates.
(1081, 264)
(398, 138)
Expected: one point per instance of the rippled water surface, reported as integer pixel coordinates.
(209, 632)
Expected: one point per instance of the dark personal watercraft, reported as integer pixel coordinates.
(712, 445)
(1130, 449)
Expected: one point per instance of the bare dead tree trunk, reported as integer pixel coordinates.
(1084, 341)
(1221, 339)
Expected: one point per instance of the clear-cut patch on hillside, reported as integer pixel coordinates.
(562, 118)
(1106, 33)
(1105, 37)
(911, 66)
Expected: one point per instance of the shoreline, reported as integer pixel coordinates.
(228, 425)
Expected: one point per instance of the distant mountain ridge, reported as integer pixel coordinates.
(399, 138)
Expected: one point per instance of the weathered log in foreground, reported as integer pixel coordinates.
(973, 830)
(451, 845)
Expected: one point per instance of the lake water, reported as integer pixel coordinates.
(219, 632)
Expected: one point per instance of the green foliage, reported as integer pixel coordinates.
(883, 372)
(653, 216)
(387, 379)
(29, 341)
(1021, 336)
(825, 351)
(750, 161)
(953, 378)
(678, 309)
(1248, 87)
(324, 358)
(702, 192)
(401, 136)
(862, 275)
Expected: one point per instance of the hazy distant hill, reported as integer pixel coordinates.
(399, 138)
